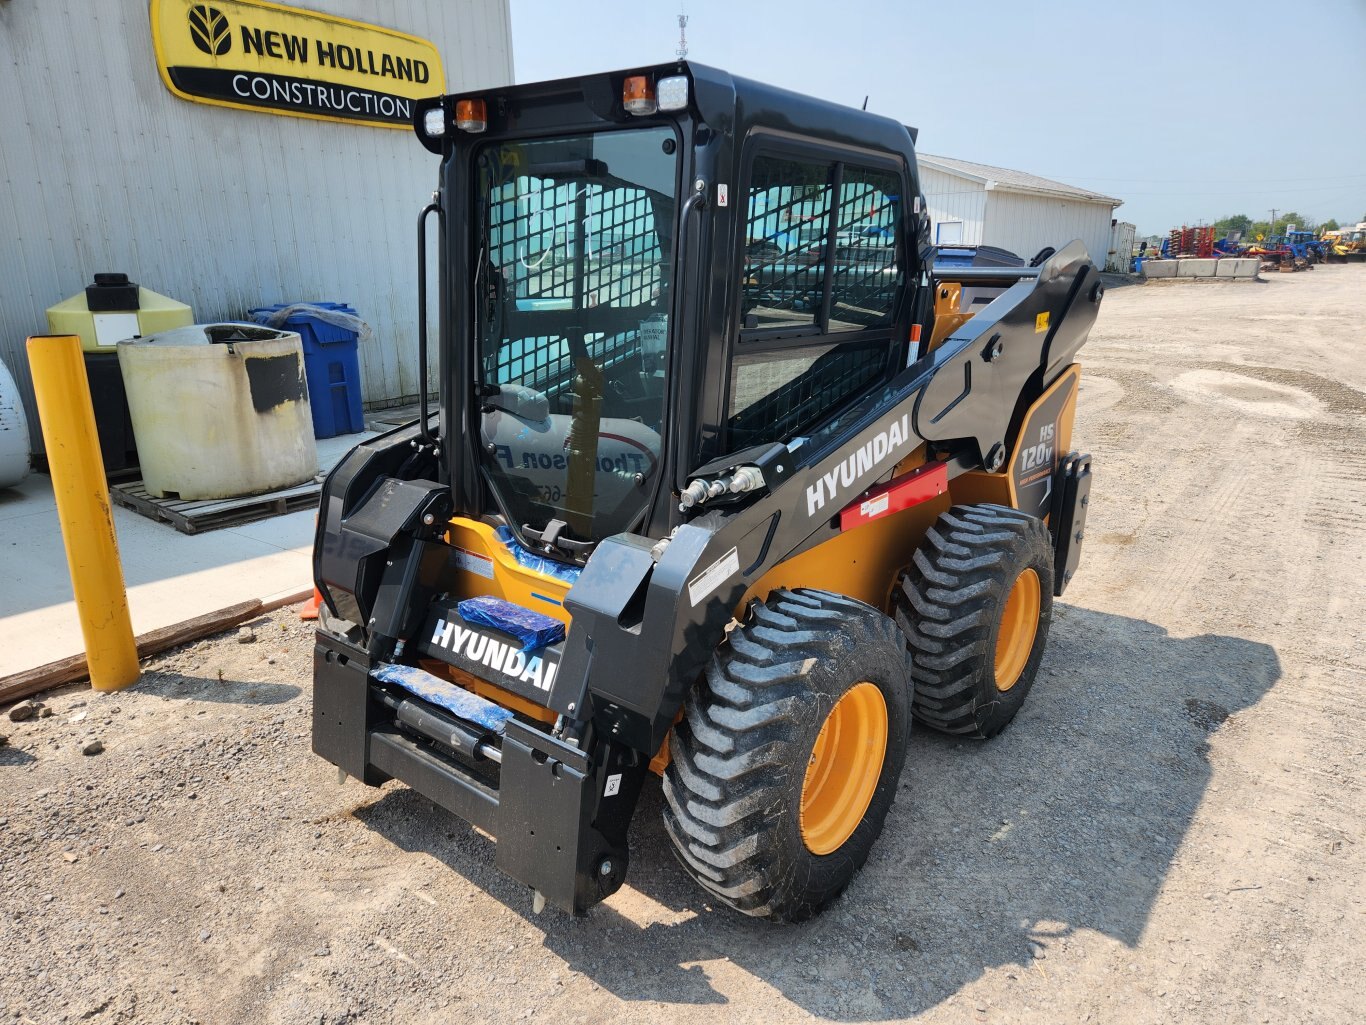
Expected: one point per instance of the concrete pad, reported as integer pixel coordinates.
(170, 576)
(1196, 268)
(1159, 268)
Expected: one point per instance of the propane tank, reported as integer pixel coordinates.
(14, 439)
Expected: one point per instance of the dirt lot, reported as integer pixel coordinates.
(1173, 830)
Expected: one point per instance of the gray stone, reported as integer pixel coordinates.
(92, 747)
(246, 635)
(23, 710)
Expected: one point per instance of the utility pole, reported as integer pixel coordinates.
(682, 50)
(1271, 228)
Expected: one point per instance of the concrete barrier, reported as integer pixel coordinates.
(1196, 268)
(1240, 268)
(1237, 267)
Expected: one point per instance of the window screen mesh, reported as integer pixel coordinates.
(789, 218)
(533, 236)
(866, 276)
(780, 395)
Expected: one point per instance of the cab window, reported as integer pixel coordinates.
(821, 280)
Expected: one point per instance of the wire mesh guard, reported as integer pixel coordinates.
(579, 246)
(789, 232)
(777, 396)
(799, 239)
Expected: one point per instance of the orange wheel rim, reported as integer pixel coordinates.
(845, 765)
(1019, 625)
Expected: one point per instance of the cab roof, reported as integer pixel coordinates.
(724, 102)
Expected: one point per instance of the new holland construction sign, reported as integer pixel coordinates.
(262, 56)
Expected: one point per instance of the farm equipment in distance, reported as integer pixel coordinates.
(1186, 241)
(1345, 244)
(1305, 245)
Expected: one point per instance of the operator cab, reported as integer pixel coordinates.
(650, 270)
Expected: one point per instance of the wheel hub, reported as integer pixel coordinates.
(846, 762)
(1019, 625)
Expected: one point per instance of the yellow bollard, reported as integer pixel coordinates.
(92, 552)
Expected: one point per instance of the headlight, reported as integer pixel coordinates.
(434, 122)
(672, 92)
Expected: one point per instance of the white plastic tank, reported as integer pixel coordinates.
(219, 410)
(13, 432)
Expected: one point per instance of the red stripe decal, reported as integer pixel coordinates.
(930, 481)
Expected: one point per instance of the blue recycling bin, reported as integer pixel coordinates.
(331, 365)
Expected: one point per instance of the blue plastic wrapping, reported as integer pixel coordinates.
(443, 694)
(533, 629)
(529, 559)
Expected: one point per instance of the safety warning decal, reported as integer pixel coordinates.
(472, 563)
(701, 586)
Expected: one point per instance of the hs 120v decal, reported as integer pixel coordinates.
(836, 485)
(1036, 454)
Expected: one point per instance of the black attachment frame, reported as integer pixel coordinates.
(560, 811)
(1067, 518)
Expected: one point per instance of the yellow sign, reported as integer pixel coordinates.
(1041, 322)
(255, 55)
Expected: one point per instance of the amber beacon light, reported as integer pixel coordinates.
(638, 95)
(471, 115)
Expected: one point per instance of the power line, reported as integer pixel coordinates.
(1293, 189)
(1179, 181)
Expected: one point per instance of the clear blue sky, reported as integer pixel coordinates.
(1187, 111)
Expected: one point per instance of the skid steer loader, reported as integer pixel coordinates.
(725, 482)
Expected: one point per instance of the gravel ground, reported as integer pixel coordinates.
(1171, 832)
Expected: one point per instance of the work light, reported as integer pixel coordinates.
(434, 121)
(672, 92)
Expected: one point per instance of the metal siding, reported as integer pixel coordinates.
(104, 169)
(1024, 224)
(1121, 247)
(949, 197)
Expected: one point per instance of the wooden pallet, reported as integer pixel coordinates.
(215, 513)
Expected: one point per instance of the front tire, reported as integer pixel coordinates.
(787, 759)
(975, 607)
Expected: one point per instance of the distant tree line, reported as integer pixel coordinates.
(1251, 229)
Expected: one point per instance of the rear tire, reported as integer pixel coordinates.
(759, 805)
(975, 607)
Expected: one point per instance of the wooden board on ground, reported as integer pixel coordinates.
(213, 514)
(69, 670)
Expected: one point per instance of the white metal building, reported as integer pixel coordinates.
(978, 204)
(104, 169)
